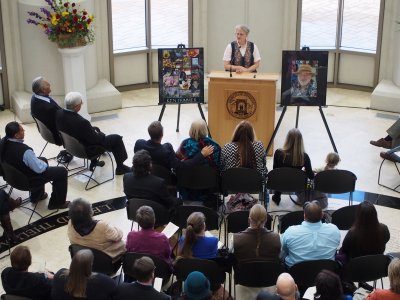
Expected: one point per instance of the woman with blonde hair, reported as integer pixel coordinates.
(80, 282)
(256, 241)
(195, 243)
(244, 151)
(198, 139)
(292, 155)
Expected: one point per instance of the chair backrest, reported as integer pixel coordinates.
(335, 181)
(161, 213)
(366, 268)
(45, 132)
(184, 266)
(73, 146)
(102, 263)
(162, 172)
(13, 297)
(291, 218)
(257, 273)
(304, 273)
(162, 269)
(15, 177)
(198, 177)
(344, 217)
(241, 180)
(287, 180)
(237, 221)
(184, 211)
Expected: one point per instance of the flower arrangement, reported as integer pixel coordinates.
(64, 23)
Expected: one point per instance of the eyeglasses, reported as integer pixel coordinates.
(309, 202)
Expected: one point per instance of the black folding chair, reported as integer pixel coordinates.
(291, 218)
(161, 213)
(366, 268)
(398, 173)
(13, 297)
(336, 182)
(74, 147)
(344, 217)
(46, 134)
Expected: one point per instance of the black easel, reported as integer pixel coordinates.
(182, 46)
(297, 123)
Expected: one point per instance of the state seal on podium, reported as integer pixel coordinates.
(241, 105)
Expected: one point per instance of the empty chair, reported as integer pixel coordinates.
(366, 268)
(242, 180)
(287, 180)
(291, 218)
(344, 217)
(336, 182)
(74, 147)
(102, 262)
(162, 214)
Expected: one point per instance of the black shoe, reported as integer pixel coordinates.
(99, 163)
(276, 199)
(366, 286)
(62, 206)
(44, 196)
(121, 170)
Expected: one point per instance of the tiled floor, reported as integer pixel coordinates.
(352, 128)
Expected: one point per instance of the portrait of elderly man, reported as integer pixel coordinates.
(305, 85)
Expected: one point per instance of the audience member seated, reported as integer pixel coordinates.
(366, 237)
(142, 184)
(7, 204)
(147, 240)
(292, 155)
(244, 151)
(392, 140)
(142, 288)
(189, 148)
(70, 122)
(43, 107)
(312, 240)
(84, 230)
(14, 152)
(80, 283)
(394, 278)
(164, 154)
(18, 281)
(257, 242)
(196, 287)
(286, 289)
(195, 243)
(328, 286)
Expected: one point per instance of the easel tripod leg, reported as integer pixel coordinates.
(327, 129)
(276, 129)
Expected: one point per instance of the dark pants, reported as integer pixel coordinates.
(115, 144)
(59, 177)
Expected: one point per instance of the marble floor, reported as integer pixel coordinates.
(350, 120)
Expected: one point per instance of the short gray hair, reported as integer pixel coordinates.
(72, 99)
(243, 28)
(37, 85)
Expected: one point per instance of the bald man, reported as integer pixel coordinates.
(286, 289)
(312, 240)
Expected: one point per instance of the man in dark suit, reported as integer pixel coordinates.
(14, 152)
(164, 154)
(69, 121)
(43, 107)
(142, 288)
(141, 184)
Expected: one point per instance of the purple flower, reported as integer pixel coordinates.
(36, 15)
(51, 3)
(30, 21)
(46, 12)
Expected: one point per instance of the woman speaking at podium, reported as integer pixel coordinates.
(241, 55)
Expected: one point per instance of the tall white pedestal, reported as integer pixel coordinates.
(74, 74)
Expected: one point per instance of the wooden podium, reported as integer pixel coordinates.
(246, 96)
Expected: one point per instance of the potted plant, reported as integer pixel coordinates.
(64, 23)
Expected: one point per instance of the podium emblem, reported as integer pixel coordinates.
(241, 105)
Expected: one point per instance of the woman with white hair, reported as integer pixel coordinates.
(241, 55)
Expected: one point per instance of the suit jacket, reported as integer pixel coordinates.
(164, 154)
(78, 127)
(148, 187)
(136, 290)
(45, 111)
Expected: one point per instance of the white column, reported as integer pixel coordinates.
(74, 74)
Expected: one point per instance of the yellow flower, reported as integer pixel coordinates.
(64, 13)
(54, 20)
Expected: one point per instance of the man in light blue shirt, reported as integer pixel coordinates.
(312, 240)
(14, 152)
